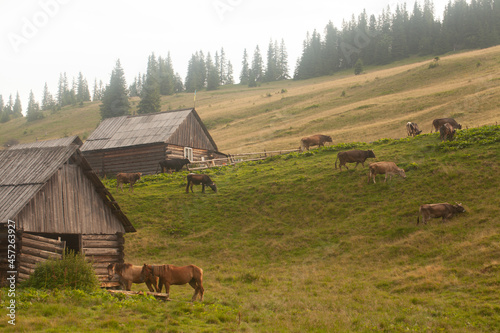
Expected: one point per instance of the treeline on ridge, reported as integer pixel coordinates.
(365, 40)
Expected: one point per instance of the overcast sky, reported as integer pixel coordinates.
(42, 38)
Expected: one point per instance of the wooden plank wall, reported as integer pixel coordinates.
(68, 204)
(35, 249)
(103, 250)
(191, 134)
(143, 159)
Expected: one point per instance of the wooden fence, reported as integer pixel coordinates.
(233, 159)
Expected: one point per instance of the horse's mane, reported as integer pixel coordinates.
(120, 267)
(157, 270)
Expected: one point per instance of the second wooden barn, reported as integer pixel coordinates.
(54, 201)
(139, 143)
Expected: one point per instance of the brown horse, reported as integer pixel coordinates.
(129, 274)
(172, 275)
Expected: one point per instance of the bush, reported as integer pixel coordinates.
(71, 272)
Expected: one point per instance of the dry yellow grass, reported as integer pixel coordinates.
(367, 107)
(464, 86)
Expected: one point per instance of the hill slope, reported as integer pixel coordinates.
(350, 108)
(290, 244)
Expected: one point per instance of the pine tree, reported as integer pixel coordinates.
(222, 68)
(178, 84)
(271, 68)
(213, 79)
(197, 72)
(399, 47)
(98, 91)
(82, 89)
(282, 59)
(33, 112)
(48, 102)
(115, 98)
(150, 95)
(256, 73)
(8, 107)
(4, 116)
(17, 110)
(166, 76)
(245, 69)
(230, 78)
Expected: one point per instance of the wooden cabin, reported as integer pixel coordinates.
(139, 143)
(49, 192)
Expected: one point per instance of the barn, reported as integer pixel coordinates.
(138, 143)
(54, 200)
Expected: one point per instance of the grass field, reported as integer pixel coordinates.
(290, 244)
(349, 108)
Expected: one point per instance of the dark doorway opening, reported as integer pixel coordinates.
(73, 241)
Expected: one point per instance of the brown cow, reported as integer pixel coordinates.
(172, 163)
(437, 123)
(314, 140)
(172, 275)
(351, 156)
(127, 178)
(443, 210)
(447, 132)
(412, 129)
(196, 179)
(387, 168)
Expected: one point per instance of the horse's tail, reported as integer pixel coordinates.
(336, 161)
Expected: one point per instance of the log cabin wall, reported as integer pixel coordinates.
(109, 162)
(103, 250)
(190, 133)
(34, 249)
(174, 151)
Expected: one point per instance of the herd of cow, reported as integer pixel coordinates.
(447, 128)
(156, 276)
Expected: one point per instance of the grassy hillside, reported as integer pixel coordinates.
(350, 108)
(290, 244)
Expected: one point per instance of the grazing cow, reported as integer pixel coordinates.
(314, 140)
(447, 132)
(412, 129)
(351, 156)
(172, 163)
(127, 178)
(443, 210)
(437, 123)
(196, 179)
(387, 168)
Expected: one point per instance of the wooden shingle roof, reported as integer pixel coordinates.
(126, 131)
(26, 168)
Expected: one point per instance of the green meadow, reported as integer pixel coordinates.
(290, 244)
